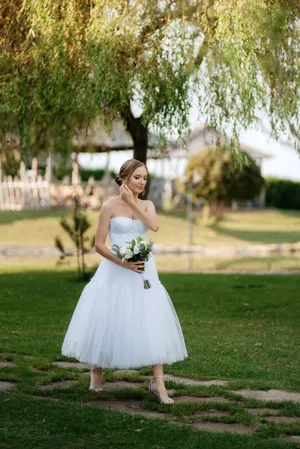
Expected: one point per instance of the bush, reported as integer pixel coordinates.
(282, 194)
(60, 172)
(220, 179)
(96, 173)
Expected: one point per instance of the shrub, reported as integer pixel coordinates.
(282, 193)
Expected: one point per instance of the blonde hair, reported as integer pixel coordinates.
(127, 169)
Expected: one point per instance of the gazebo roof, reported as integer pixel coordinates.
(102, 140)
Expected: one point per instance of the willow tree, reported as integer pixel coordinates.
(66, 62)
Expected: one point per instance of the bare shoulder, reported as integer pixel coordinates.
(149, 204)
(107, 207)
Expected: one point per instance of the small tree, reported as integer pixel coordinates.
(220, 180)
(76, 231)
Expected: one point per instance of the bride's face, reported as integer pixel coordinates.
(137, 181)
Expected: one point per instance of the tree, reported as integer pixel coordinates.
(65, 62)
(220, 180)
(76, 231)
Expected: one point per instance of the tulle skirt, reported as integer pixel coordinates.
(117, 323)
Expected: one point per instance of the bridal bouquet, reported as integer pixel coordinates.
(135, 251)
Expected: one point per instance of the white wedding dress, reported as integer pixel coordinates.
(119, 324)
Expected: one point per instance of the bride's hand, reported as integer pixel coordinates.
(126, 193)
(137, 267)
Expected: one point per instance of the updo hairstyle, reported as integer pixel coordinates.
(127, 169)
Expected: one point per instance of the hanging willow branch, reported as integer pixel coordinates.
(65, 62)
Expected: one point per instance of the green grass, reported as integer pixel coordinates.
(244, 329)
(65, 424)
(39, 228)
(241, 328)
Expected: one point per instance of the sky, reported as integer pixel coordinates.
(284, 163)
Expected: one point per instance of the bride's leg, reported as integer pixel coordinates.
(159, 383)
(96, 376)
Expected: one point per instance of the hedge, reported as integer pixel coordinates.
(282, 194)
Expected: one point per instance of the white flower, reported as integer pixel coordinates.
(136, 249)
(128, 254)
(123, 250)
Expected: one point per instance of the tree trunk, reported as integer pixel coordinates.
(139, 134)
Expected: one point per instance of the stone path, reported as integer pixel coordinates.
(72, 365)
(271, 395)
(7, 385)
(6, 363)
(187, 381)
(203, 419)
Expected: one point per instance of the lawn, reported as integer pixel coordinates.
(39, 228)
(244, 329)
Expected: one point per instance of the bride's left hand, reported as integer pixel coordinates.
(126, 193)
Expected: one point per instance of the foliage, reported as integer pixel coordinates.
(76, 231)
(9, 163)
(219, 178)
(61, 171)
(65, 62)
(96, 173)
(282, 193)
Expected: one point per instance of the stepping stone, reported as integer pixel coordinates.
(44, 397)
(291, 438)
(171, 392)
(72, 365)
(60, 384)
(271, 395)
(187, 381)
(186, 399)
(7, 385)
(129, 406)
(126, 371)
(42, 371)
(284, 419)
(241, 429)
(121, 384)
(212, 413)
(262, 411)
(4, 363)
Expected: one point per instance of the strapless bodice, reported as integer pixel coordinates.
(124, 229)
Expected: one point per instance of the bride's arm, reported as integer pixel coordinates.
(101, 235)
(147, 216)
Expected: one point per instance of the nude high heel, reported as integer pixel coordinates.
(163, 400)
(97, 388)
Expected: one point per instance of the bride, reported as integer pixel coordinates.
(117, 323)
